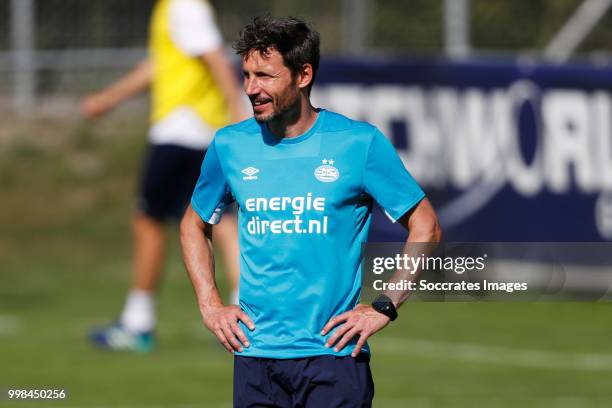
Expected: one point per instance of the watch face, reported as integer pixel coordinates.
(382, 306)
(385, 307)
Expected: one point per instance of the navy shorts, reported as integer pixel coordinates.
(318, 382)
(168, 177)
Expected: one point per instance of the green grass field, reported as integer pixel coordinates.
(64, 267)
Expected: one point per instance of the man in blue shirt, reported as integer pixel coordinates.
(305, 180)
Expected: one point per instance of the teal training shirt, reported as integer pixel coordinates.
(304, 210)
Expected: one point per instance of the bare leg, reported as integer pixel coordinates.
(149, 252)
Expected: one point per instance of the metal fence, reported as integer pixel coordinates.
(72, 46)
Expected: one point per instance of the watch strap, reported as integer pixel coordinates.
(384, 305)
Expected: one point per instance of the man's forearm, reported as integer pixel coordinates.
(134, 82)
(196, 245)
(222, 321)
(422, 240)
(223, 73)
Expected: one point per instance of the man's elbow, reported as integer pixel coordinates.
(188, 225)
(427, 229)
(192, 226)
(185, 228)
(436, 231)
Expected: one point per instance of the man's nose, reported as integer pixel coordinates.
(251, 86)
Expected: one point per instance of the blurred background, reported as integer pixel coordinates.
(500, 109)
(89, 41)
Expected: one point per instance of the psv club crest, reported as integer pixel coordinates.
(327, 173)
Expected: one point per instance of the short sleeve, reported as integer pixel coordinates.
(193, 28)
(387, 180)
(212, 193)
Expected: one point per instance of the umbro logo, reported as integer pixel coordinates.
(250, 173)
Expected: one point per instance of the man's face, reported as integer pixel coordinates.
(270, 85)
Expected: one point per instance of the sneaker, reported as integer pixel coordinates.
(118, 338)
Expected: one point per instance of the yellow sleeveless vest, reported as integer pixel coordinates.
(180, 79)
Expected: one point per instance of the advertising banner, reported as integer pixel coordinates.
(506, 150)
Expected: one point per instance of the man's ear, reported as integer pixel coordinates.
(305, 76)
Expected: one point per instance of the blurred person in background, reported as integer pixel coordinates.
(194, 92)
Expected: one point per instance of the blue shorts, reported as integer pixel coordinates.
(322, 381)
(168, 177)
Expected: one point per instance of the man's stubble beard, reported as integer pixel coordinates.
(286, 109)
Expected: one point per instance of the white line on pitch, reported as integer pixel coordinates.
(491, 400)
(483, 353)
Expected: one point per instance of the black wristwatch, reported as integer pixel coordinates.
(384, 305)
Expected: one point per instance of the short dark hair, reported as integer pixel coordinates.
(292, 37)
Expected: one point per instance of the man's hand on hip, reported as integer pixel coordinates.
(363, 321)
(223, 322)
